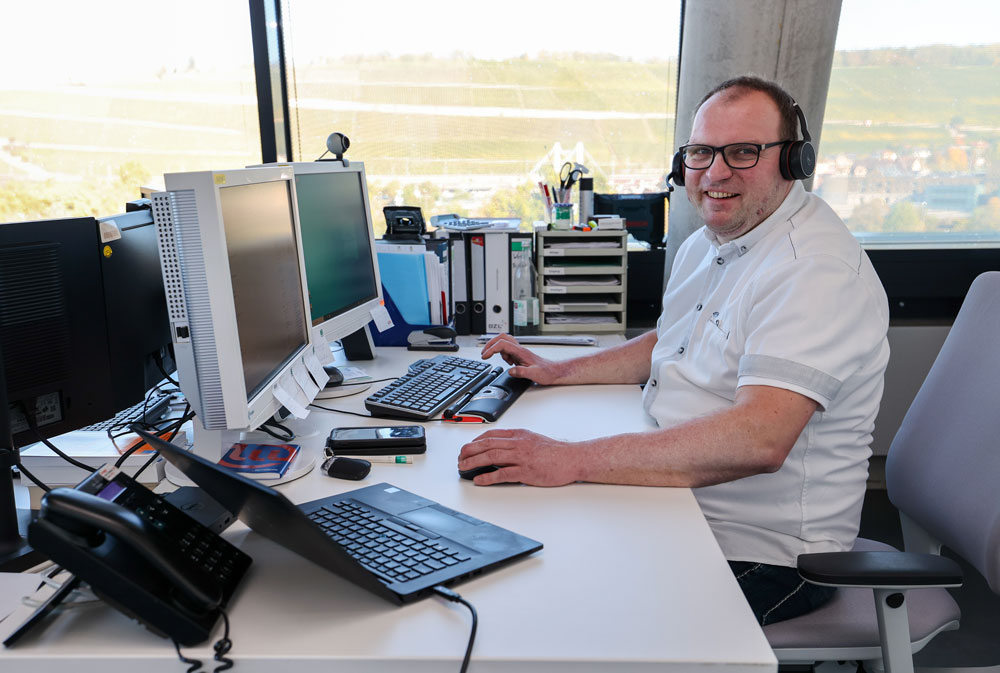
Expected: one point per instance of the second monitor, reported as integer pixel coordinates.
(338, 241)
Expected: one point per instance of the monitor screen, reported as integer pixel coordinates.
(335, 236)
(267, 287)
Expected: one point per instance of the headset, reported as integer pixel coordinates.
(796, 162)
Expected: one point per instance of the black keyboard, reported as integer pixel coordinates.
(155, 407)
(390, 551)
(428, 388)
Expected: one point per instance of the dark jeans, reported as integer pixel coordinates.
(776, 593)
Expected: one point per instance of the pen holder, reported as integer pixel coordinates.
(563, 219)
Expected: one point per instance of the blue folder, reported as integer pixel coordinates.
(401, 328)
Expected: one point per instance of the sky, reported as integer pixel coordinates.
(67, 40)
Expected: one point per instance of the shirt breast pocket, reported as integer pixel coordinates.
(717, 328)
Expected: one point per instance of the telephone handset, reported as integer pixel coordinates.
(140, 553)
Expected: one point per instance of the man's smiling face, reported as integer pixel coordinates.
(732, 202)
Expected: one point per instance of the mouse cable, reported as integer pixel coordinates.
(221, 647)
(449, 595)
(341, 411)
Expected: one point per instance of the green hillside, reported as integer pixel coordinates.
(71, 150)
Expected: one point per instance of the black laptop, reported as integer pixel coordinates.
(391, 542)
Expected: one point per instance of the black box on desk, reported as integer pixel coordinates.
(645, 286)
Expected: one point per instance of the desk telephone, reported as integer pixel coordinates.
(140, 553)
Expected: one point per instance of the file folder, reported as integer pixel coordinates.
(497, 265)
(477, 282)
(460, 283)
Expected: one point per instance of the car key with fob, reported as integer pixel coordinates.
(377, 440)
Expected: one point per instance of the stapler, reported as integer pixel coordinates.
(441, 338)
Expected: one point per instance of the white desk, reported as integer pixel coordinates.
(630, 578)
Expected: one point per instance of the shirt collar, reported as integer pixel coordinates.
(794, 201)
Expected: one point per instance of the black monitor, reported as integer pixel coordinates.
(644, 214)
(135, 306)
(83, 329)
(53, 344)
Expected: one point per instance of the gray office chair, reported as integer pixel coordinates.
(942, 473)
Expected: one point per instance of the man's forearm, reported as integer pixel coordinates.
(752, 437)
(625, 363)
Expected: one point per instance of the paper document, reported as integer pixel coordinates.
(567, 245)
(565, 281)
(579, 318)
(550, 339)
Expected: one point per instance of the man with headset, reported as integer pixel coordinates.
(765, 371)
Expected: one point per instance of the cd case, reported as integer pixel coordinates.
(260, 458)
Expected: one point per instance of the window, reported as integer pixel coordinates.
(910, 149)
(457, 116)
(100, 98)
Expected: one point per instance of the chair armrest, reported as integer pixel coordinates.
(879, 569)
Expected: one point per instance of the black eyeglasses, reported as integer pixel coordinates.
(739, 156)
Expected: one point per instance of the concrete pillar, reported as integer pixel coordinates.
(788, 41)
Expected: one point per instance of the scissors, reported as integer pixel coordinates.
(569, 174)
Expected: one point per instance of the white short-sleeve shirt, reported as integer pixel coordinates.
(795, 304)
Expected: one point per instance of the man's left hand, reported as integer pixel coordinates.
(522, 456)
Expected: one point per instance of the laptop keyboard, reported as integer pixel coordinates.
(392, 552)
(428, 387)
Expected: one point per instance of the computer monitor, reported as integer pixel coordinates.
(339, 244)
(54, 357)
(135, 305)
(235, 280)
(644, 214)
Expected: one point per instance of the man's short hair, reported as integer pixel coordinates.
(740, 86)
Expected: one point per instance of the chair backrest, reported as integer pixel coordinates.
(943, 468)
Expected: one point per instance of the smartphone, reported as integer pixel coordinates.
(377, 441)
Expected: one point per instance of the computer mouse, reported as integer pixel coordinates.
(336, 376)
(340, 467)
(476, 471)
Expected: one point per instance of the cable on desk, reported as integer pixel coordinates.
(221, 647)
(173, 430)
(38, 482)
(340, 411)
(33, 425)
(449, 595)
(194, 665)
(274, 429)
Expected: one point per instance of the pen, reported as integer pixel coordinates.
(464, 399)
(398, 460)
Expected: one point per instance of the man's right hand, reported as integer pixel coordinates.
(525, 364)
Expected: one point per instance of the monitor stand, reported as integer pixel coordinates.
(209, 445)
(15, 553)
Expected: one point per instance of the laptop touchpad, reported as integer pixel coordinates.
(442, 521)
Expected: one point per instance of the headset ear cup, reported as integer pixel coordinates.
(803, 161)
(785, 158)
(797, 160)
(677, 170)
